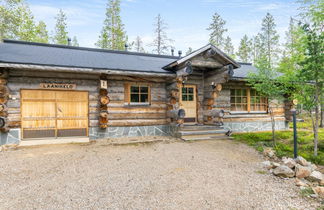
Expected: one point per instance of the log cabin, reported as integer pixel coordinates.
(57, 91)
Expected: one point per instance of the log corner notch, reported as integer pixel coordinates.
(103, 101)
(4, 96)
(174, 113)
(213, 116)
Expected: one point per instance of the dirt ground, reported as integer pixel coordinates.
(176, 175)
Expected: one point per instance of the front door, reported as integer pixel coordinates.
(47, 113)
(188, 102)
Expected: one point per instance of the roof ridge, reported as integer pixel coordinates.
(87, 48)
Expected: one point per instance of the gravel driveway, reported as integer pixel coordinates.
(178, 175)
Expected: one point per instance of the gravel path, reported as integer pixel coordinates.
(178, 175)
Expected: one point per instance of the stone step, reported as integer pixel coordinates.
(204, 137)
(202, 132)
(200, 127)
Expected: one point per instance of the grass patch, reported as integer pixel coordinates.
(307, 191)
(285, 142)
(261, 172)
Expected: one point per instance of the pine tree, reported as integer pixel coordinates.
(138, 45)
(257, 49)
(75, 42)
(161, 42)
(217, 31)
(245, 50)
(9, 11)
(112, 34)
(269, 39)
(228, 47)
(61, 34)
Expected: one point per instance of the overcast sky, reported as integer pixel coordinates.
(187, 19)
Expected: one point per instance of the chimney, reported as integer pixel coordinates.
(69, 41)
(172, 51)
(179, 53)
(126, 47)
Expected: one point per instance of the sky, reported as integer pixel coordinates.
(187, 20)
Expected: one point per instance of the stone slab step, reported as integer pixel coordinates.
(204, 137)
(202, 132)
(200, 127)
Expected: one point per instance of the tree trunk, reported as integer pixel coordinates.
(322, 111)
(273, 126)
(317, 117)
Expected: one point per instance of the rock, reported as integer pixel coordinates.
(275, 165)
(300, 183)
(315, 176)
(267, 164)
(300, 160)
(291, 163)
(322, 182)
(302, 171)
(283, 171)
(268, 152)
(319, 191)
(313, 167)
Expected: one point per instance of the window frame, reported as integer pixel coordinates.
(248, 103)
(128, 94)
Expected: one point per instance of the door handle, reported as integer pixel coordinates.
(58, 108)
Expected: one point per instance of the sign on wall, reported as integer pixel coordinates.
(57, 86)
(103, 84)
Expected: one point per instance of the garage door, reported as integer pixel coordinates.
(47, 113)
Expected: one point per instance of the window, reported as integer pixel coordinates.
(137, 94)
(187, 94)
(248, 100)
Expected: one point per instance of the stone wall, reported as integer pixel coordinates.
(254, 126)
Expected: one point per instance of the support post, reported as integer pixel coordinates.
(295, 132)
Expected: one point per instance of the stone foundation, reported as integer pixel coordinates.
(116, 132)
(254, 126)
(11, 137)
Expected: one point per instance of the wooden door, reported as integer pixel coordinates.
(46, 113)
(188, 102)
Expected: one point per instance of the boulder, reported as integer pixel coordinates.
(315, 176)
(268, 152)
(300, 160)
(291, 163)
(283, 171)
(275, 165)
(300, 183)
(319, 191)
(322, 182)
(267, 164)
(302, 171)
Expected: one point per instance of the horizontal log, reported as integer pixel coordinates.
(214, 113)
(137, 122)
(176, 114)
(128, 109)
(124, 116)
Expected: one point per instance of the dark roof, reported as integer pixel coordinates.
(21, 52)
(243, 71)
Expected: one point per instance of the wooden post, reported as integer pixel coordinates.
(4, 96)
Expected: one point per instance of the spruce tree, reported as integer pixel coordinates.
(217, 30)
(138, 44)
(41, 33)
(161, 42)
(112, 35)
(245, 50)
(60, 31)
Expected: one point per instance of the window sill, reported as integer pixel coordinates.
(243, 112)
(137, 104)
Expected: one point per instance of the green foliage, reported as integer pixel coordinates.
(284, 139)
(228, 47)
(60, 31)
(269, 43)
(189, 51)
(217, 30)
(112, 35)
(307, 191)
(20, 23)
(245, 50)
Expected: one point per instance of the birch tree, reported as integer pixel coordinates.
(217, 30)
(161, 42)
(113, 35)
(60, 30)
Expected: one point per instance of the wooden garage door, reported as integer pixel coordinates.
(47, 113)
